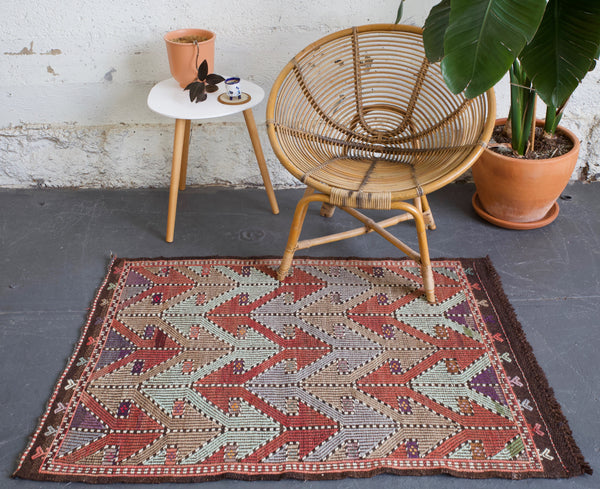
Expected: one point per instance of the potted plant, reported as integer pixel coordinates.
(186, 49)
(547, 47)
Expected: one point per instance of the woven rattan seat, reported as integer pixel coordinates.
(365, 121)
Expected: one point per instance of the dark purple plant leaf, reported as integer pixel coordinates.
(214, 79)
(202, 70)
(211, 88)
(192, 87)
(197, 90)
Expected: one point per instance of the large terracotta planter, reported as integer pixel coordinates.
(184, 58)
(519, 193)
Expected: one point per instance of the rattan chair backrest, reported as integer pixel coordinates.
(369, 95)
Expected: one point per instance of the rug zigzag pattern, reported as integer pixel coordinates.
(208, 368)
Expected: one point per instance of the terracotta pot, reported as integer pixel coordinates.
(184, 58)
(521, 193)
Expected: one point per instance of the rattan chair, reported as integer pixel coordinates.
(366, 122)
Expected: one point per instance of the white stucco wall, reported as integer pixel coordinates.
(75, 74)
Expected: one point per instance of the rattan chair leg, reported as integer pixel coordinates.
(292, 243)
(428, 281)
(423, 256)
(426, 271)
(327, 209)
(427, 214)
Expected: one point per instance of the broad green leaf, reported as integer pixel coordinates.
(596, 56)
(434, 30)
(483, 39)
(563, 49)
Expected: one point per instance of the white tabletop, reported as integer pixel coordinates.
(169, 99)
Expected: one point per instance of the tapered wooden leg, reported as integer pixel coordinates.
(260, 158)
(178, 143)
(295, 230)
(184, 155)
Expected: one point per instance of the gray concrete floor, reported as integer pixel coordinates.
(56, 244)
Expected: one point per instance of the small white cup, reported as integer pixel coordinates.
(233, 88)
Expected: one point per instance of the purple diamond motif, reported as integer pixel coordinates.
(138, 367)
(124, 408)
(404, 405)
(412, 449)
(388, 331)
(395, 366)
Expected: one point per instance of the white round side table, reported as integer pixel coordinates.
(169, 99)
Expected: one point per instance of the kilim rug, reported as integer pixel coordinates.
(199, 369)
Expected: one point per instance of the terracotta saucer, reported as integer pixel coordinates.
(547, 219)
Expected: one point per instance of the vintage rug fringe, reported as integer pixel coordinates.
(198, 369)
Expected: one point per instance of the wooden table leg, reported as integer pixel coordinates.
(184, 155)
(178, 145)
(260, 158)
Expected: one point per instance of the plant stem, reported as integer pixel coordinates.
(532, 136)
(528, 118)
(516, 106)
(553, 117)
(522, 107)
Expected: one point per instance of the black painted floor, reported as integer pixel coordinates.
(55, 246)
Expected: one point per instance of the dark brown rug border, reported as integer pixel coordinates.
(573, 460)
(549, 407)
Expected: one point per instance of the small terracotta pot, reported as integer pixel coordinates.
(520, 193)
(184, 58)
